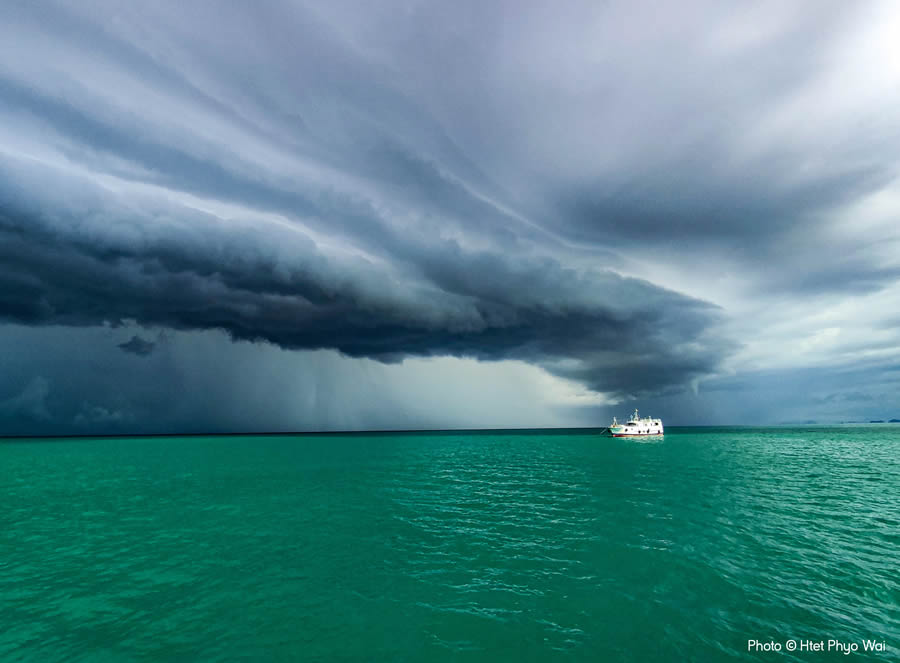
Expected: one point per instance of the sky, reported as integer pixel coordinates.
(294, 216)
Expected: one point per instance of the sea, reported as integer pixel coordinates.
(707, 544)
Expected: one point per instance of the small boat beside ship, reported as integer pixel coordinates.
(636, 427)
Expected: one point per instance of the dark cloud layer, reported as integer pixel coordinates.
(494, 181)
(478, 304)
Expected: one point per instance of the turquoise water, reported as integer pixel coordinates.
(488, 546)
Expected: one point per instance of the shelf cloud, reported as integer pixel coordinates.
(616, 194)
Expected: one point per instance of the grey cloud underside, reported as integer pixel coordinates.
(704, 205)
(626, 335)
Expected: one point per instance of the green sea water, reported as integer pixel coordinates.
(471, 546)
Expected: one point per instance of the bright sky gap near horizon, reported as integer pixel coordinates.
(345, 215)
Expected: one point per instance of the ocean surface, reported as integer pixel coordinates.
(464, 546)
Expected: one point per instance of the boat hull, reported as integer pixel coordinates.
(644, 432)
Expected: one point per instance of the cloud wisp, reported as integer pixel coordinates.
(138, 346)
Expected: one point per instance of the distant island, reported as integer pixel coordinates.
(873, 421)
(815, 422)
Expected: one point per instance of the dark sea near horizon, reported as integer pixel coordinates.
(453, 546)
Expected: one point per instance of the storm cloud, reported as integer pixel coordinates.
(613, 193)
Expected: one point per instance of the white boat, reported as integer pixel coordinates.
(636, 427)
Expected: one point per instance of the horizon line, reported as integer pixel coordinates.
(386, 431)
